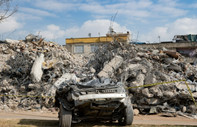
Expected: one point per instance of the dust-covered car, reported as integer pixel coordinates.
(99, 99)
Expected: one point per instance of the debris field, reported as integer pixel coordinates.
(30, 69)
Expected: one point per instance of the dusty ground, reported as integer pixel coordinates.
(39, 119)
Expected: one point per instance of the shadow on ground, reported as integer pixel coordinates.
(39, 123)
(54, 123)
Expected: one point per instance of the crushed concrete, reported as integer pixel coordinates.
(118, 61)
(29, 69)
(149, 66)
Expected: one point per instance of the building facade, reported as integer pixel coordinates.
(88, 45)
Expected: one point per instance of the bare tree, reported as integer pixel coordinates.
(6, 9)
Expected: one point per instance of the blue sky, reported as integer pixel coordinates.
(56, 20)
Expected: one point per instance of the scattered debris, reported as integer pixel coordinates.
(173, 54)
(117, 61)
(147, 66)
(136, 112)
(30, 70)
(11, 41)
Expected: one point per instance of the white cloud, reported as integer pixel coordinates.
(184, 26)
(194, 5)
(17, 34)
(26, 16)
(36, 11)
(52, 32)
(95, 8)
(168, 2)
(55, 5)
(9, 25)
(130, 8)
(167, 32)
(94, 27)
(136, 8)
(53, 27)
(170, 11)
(55, 33)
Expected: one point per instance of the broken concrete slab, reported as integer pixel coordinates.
(146, 93)
(136, 112)
(169, 94)
(109, 68)
(10, 41)
(153, 101)
(150, 78)
(67, 77)
(36, 71)
(174, 67)
(173, 54)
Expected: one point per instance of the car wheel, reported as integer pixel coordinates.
(65, 117)
(127, 118)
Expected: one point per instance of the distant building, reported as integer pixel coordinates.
(185, 38)
(88, 45)
(184, 44)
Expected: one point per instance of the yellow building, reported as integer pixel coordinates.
(88, 45)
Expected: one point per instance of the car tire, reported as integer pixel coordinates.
(127, 118)
(65, 117)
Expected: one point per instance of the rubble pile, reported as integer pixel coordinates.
(33, 68)
(136, 67)
(29, 68)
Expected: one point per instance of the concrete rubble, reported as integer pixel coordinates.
(23, 74)
(29, 69)
(36, 71)
(148, 66)
(111, 67)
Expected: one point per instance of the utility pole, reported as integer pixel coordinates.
(137, 36)
(159, 38)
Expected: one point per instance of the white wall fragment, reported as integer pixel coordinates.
(36, 71)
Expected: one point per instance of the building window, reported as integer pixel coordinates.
(94, 48)
(79, 49)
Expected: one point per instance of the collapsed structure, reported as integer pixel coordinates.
(117, 61)
(22, 72)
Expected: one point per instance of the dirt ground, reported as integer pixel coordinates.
(40, 119)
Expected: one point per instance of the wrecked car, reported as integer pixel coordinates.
(97, 99)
